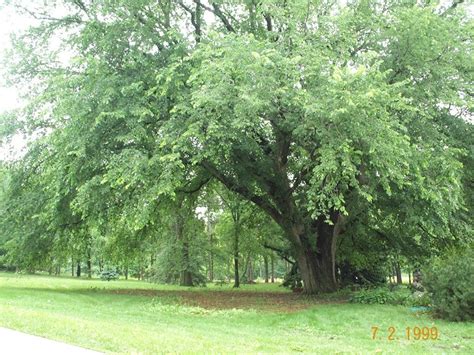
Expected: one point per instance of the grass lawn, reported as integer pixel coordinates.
(138, 317)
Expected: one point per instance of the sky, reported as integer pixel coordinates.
(8, 23)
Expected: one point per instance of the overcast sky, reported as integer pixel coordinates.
(8, 22)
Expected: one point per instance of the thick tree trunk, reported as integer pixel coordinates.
(316, 271)
(317, 265)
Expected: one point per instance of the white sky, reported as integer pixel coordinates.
(8, 23)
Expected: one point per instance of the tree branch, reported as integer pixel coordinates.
(243, 191)
(216, 10)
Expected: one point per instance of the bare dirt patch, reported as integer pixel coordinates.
(265, 301)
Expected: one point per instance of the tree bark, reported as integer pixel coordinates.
(78, 269)
(89, 265)
(317, 265)
(273, 269)
(211, 254)
(236, 269)
(250, 275)
(236, 257)
(186, 277)
(398, 272)
(265, 261)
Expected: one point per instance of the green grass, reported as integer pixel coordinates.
(133, 316)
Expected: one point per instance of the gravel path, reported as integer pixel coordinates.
(13, 342)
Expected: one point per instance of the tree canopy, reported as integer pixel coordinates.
(338, 119)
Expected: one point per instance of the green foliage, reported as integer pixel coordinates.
(109, 275)
(381, 295)
(307, 109)
(419, 299)
(450, 280)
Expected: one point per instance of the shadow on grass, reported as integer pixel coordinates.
(203, 298)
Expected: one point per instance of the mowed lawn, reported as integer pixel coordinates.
(139, 317)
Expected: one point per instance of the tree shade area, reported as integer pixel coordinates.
(326, 145)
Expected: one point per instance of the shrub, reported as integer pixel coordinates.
(419, 299)
(450, 280)
(381, 295)
(108, 275)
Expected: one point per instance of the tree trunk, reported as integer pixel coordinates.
(265, 261)
(236, 258)
(211, 258)
(186, 277)
(78, 269)
(89, 265)
(236, 270)
(250, 275)
(398, 272)
(273, 269)
(318, 267)
(72, 266)
(126, 272)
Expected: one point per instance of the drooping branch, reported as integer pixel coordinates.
(281, 253)
(44, 16)
(216, 10)
(268, 20)
(243, 191)
(195, 18)
(80, 4)
(195, 185)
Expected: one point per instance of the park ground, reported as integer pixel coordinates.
(140, 317)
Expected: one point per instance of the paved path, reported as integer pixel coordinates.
(16, 343)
